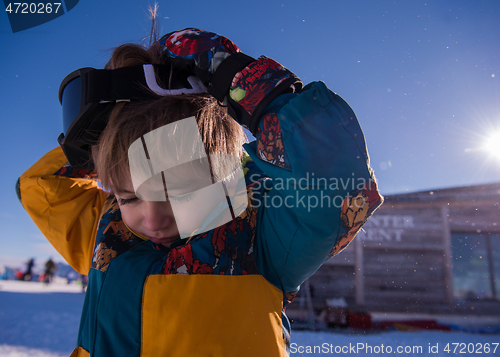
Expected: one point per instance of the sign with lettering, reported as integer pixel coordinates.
(386, 228)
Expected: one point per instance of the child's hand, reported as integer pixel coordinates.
(196, 50)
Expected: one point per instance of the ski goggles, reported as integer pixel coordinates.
(88, 95)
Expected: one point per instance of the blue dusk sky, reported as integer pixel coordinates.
(423, 78)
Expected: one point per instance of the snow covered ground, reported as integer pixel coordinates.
(37, 320)
(42, 321)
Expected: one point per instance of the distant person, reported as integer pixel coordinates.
(50, 268)
(160, 282)
(84, 280)
(28, 274)
(71, 276)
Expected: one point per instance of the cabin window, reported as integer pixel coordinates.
(476, 266)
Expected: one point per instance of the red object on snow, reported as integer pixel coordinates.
(359, 320)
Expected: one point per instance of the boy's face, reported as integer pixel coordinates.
(173, 158)
(156, 219)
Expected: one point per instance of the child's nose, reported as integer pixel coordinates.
(157, 216)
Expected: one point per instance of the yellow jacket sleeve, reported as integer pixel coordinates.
(65, 209)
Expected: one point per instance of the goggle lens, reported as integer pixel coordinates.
(71, 102)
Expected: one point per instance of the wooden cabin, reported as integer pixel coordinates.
(432, 252)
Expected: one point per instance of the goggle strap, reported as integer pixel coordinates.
(137, 82)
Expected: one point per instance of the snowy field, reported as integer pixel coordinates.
(42, 321)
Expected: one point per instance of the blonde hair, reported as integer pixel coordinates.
(130, 121)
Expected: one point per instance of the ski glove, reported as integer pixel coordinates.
(246, 85)
(196, 50)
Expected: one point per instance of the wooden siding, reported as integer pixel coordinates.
(412, 277)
